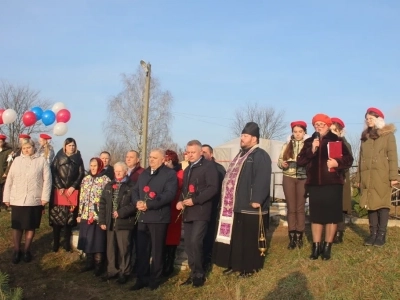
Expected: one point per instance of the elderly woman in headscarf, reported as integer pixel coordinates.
(324, 184)
(92, 239)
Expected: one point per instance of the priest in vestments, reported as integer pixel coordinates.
(245, 189)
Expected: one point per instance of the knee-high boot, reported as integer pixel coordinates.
(56, 237)
(89, 265)
(98, 264)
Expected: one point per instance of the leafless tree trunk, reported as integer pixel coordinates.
(21, 99)
(123, 126)
(270, 121)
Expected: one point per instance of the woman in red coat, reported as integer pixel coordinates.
(175, 226)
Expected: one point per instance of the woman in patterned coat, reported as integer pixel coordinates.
(92, 239)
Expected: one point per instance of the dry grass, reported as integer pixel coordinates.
(354, 272)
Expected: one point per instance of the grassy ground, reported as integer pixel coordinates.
(354, 272)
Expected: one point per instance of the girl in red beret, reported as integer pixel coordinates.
(337, 128)
(377, 173)
(46, 150)
(324, 188)
(293, 183)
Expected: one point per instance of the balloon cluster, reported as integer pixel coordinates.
(58, 113)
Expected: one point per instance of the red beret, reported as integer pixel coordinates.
(377, 111)
(298, 123)
(45, 136)
(24, 136)
(3, 137)
(337, 120)
(322, 118)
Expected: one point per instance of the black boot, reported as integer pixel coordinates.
(326, 251)
(56, 237)
(338, 239)
(292, 240)
(89, 265)
(380, 239)
(316, 251)
(299, 239)
(98, 264)
(370, 241)
(67, 238)
(169, 260)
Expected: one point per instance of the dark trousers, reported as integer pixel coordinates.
(150, 236)
(295, 200)
(118, 252)
(194, 233)
(67, 236)
(208, 242)
(378, 219)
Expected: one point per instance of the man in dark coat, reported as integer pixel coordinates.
(200, 186)
(116, 215)
(134, 170)
(208, 153)
(133, 162)
(155, 190)
(245, 197)
(108, 169)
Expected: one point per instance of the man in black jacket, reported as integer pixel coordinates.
(208, 153)
(108, 170)
(152, 196)
(116, 216)
(200, 185)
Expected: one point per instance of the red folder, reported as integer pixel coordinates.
(334, 151)
(65, 200)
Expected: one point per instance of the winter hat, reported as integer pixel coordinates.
(3, 137)
(252, 129)
(322, 118)
(24, 136)
(298, 123)
(379, 122)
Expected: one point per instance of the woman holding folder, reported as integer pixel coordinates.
(68, 171)
(325, 157)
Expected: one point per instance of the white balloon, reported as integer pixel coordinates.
(60, 128)
(58, 106)
(9, 116)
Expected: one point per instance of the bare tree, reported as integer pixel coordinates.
(21, 99)
(270, 121)
(123, 126)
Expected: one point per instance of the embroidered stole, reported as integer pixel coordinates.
(229, 184)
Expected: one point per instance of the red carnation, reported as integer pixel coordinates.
(152, 195)
(115, 186)
(191, 188)
(146, 189)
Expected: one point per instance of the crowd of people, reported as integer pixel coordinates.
(130, 218)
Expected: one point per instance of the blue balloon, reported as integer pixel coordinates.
(38, 112)
(48, 117)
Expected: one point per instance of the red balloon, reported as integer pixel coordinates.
(63, 115)
(29, 118)
(1, 115)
